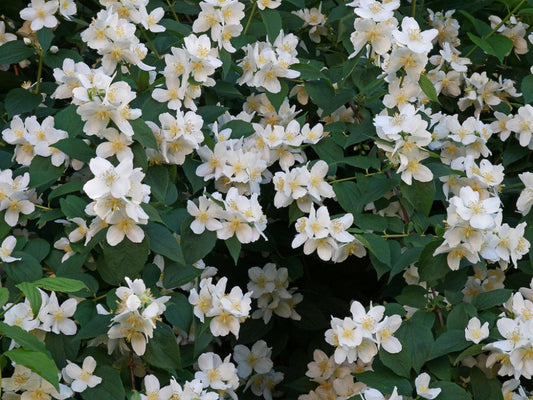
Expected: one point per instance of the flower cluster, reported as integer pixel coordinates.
(15, 197)
(117, 194)
(329, 237)
(26, 384)
(264, 63)
(227, 310)
(314, 18)
(136, 315)
(257, 359)
(236, 215)
(195, 61)
(32, 138)
(51, 316)
(270, 286)
(223, 18)
(359, 336)
(114, 39)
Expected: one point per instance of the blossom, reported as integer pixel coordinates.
(422, 387)
(475, 332)
(7, 248)
(41, 14)
(83, 377)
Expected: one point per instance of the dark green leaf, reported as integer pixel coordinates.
(193, 246)
(42, 172)
(14, 51)
(32, 294)
(19, 101)
(76, 149)
(385, 382)
(162, 350)
(491, 299)
(178, 275)
(449, 342)
(527, 89)
(73, 206)
(143, 134)
(162, 242)
(234, 247)
(179, 311)
(420, 195)
(111, 386)
(45, 37)
(451, 391)
(126, 259)
(69, 187)
(272, 21)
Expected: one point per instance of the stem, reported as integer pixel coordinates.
(342, 180)
(39, 70)
(413, 8)
(150, 43)
(132, 375)
(173, 12)
(43, 207)
(250, 18)
(495, 29)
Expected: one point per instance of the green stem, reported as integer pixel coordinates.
(413, 8)
(173, 12)
(39, 70)
(150, 44)
(495, 29)
(343, 180)
(250, 18)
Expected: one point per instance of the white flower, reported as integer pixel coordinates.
(55, 318)
(475, 332)
(82, 377)
(413, 38)
(41, 14)
(422, 387)
(6, 249)
(255, 359)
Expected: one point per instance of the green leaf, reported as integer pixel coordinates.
(38, 248)
(98, 325)
(451, 391)
(325, 97)
(14, 51)
(193, 246)
(40, 363)
(413, 296)
(420, 195)
(73, 206)
(143, 134)
(124, 259)
(234, 247)
(400, 362)
(496, 45)
(162, 242)
(76, 149)
(427, 87)
(471, 351)
(385, 382)
(189, 167)
(432, 268)
(239, 128)
(491, 298)
(527, 89)
(42, 172)
(179, 311)
(56, 60)
(62, 348)
(162, 350)
(485, 388)
(32, 294)
(68, 120)
(178, 275)
(19, 101)
(111, 386)
(416, 337)
(22, 338)
(45, 37)
(69, 187)
(272, 21)
(277, 98)
(28, 269)
(449, 342)
(378, 246)
(4, 296)
(158, 179)
(64, 285)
